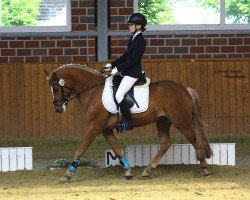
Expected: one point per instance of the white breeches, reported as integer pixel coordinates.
(125, 85)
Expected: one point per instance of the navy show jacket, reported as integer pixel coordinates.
(129, 64)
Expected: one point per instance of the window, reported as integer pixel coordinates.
(35, 15)
(195, 14)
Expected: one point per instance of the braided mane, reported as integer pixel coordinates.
(79, 66)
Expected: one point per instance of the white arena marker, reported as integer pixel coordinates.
(216, 154)
(138, 155)
(177, 154)
(130, 156)
(16, 158)
(185, 154)
(170, 156)
(111, 159)
(192, 155)
(13, 159)
(28, 158)
(5, 159)
(231, 154)
(20, 159)
(146, 151)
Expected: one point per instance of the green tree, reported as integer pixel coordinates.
(237, 10)
(19, 12)
(1, 13)
(156, 11)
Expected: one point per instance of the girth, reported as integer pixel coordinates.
(129, 96)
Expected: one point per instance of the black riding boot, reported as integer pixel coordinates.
(126, 122)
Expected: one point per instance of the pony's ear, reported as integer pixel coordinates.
(54, 76)
(46, 72)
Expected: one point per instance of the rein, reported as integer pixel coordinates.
(78, 94)
(74, 94)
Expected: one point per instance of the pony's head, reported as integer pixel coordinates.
(70, 81)
(61, 91)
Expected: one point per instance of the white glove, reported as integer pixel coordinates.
(106, 68)
(114, 71)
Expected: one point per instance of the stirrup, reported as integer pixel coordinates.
(125, 125)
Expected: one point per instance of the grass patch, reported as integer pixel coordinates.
(41, 144)
(239, 139)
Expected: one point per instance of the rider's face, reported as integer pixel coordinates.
(133, 28)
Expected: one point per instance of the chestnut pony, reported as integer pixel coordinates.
(169, 104)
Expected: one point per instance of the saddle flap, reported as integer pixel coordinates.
(139, 94)
(129, 96)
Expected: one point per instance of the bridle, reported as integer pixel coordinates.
(72, 95)
(64, 98)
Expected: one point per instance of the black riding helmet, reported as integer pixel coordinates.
(138, 18)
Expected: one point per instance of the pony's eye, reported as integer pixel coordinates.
(56, 90)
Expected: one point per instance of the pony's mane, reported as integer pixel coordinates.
(79, 66)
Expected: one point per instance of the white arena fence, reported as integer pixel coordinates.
(140, 155)
(16, 158)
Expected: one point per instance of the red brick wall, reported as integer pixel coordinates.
(47, 49)
(177, 46)
(119, 11)
(189, 46)
(55, 49)
(83, 15)
(81, 49)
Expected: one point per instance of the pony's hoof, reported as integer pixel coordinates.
(128, 175)
(65, 178)
(146, 173)
(206, 172)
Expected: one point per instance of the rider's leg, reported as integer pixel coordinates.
(125, 85)
(125, 110)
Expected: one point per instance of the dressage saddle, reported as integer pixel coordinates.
(129, 96)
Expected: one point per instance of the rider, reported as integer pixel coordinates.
(129, 65)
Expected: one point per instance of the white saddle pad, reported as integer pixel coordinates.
(141, 95)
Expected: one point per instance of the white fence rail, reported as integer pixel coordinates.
(16, 158)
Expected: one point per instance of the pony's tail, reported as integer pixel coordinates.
(202, 144)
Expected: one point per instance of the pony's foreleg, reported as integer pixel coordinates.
(163, 127)
(111, 139)
(88, 139)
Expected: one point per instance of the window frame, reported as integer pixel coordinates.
(180, 27)
(35, 29)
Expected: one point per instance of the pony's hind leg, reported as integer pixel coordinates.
(111, 139)
(163, 126)
(195, 140)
